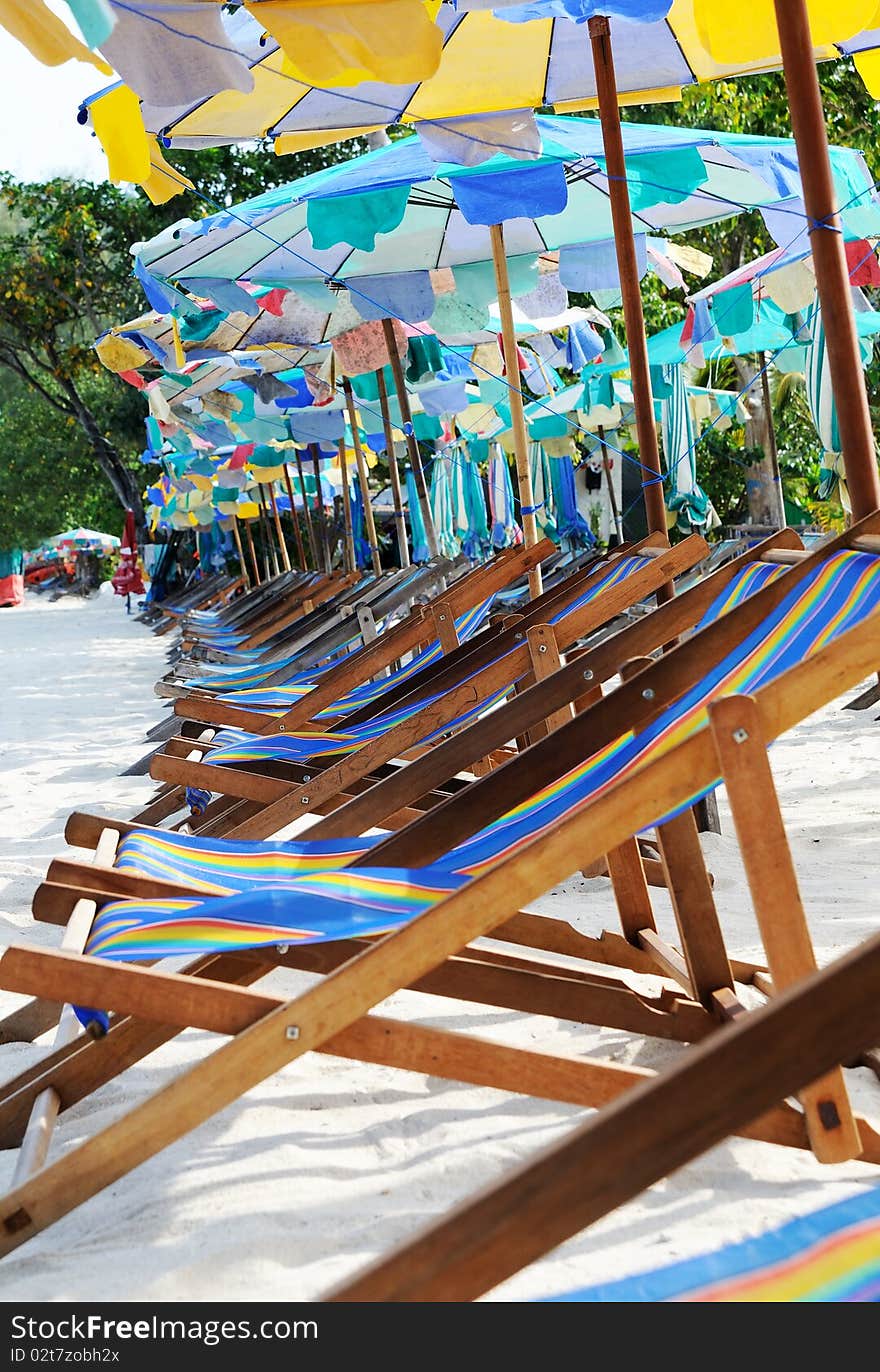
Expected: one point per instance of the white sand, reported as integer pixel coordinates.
(330, 1163)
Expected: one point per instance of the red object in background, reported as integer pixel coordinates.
(521, 361)
(127, 577)
(11, 590)
(864, 269)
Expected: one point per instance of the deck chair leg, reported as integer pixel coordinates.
(696, 917)
(627, 873)
(742, 752)
(38, 1134)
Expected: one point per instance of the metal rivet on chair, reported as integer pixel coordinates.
(740, 735)
(648, 693)
(291, 1032)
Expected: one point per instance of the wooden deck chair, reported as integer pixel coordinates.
(341, 626)
(431, 632)
(282, 604)
(444, 697)
(333, 839)
(306, 622)
(414, 632)
(214, 591)
(653, 1127)
(465, 592)
(821, 638)
(462, 819)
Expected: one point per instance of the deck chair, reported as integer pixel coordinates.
(284, 659)
(393, 718)
(832, 1254)
(465, 592)
(279, 603)
(546, 704)
(211, 592)
(810, 643)
(180, 860)
(655, 1127)
(461, 614)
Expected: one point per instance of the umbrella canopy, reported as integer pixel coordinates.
(395, 211)
(86, 539)
(541, 57)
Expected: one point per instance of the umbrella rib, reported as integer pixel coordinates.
(200, 104)
(684, 57)
(549, 54)
(450, 207)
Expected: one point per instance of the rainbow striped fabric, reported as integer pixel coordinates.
(830, 1255)
(235, 746)
(245, 686)
(223, 867)
(277, 699)
(838, 595)
(329, 906)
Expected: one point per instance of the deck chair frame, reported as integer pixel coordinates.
(283, 1032)
(476, 671)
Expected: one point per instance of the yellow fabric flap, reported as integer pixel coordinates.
(868, 68)
(116, 118)
(45, 36)
(164, 181)
(753, 37)
(343, 44)
(319, 138)
(121, 354)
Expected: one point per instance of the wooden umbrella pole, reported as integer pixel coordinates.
(634, 319)
(253, 552)
(236, 534)
(772, 449)
(606, 467)
(297, 532)
(362, 475)
(415, 460)
(270, 554)
(350, 561)
(399, 520)
(309, 528)
(321, 535)
(829, 258)
(285, 555)
(515, 400)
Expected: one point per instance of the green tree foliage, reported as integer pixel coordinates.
(65, 276)
(759, 105)
(49, 478)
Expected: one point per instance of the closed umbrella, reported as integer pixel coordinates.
(127, 578)
(684, 495)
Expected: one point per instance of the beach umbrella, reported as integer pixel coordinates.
(505, 530)
(85, 539)
(684, 496)
(661, 37)
(443, 506)
(380, 223)
(127, 579)
(822, 402)
(540, 59)
(542, 486)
